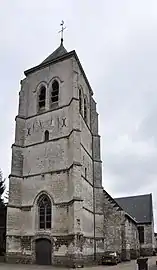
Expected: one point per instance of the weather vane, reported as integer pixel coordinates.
(62, 29)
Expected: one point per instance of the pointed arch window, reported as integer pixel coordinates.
(80, 100)
(44, 207)
(85, 109)
(46, 136)
(42, 98)
(55, 92)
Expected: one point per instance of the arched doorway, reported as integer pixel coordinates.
(43, 249)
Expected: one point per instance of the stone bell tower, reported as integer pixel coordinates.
(55, 212)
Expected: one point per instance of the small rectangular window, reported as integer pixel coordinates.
(141, 234)
(85, 173)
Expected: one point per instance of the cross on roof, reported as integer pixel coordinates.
(61, 31)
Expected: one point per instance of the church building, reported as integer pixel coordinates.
(55, 211)
(58, 212)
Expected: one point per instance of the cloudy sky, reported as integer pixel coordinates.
(116, 42)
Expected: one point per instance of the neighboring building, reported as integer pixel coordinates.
(140, 207)
(120, 230)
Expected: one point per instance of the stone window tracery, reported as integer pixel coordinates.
(44, 207)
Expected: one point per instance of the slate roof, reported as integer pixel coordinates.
(119, 208)
(59, 54)
(138, 207)
(60, 51)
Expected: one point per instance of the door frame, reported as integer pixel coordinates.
(37, 239)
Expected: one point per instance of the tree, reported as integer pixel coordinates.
(6, 196)
(2, 189)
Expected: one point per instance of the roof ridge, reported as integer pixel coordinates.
(60, 51)
(141, 195)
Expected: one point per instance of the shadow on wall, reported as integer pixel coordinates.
(3, 214)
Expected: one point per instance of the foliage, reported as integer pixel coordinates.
(2, 189)
(6, 197)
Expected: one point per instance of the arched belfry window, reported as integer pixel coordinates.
(80, 100)
(44, 206)
(85, 109)
(46, 136)
(42, 98)
(55, 92)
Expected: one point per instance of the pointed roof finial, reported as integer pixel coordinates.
(61, 31)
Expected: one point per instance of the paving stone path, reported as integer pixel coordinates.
(122, 266)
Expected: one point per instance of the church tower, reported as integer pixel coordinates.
(55, 213)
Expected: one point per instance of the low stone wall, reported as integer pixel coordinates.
(125, 255)
(134, 254)
(61, 261)
(2, 258)
(18, 258)
(67, 261)
(70, 251)
(129, 254)
(146, 252)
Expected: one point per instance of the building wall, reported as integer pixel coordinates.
(147, 247)
(120, 232)
(56, 168)
(131, 239)
(155, 241)
(68, 169)
(112, 227)
(91, 160)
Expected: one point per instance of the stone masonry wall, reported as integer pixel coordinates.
(112, 227)
(31, 84)
(62, 168)
(45, 167)
(146, 249)
(130, 241)
(120, 231)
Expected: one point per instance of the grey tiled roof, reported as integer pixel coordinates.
(58, 55)
(139, 207)
(60, 51)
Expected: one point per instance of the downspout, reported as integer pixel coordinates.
(94, 205)
(94, 233)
